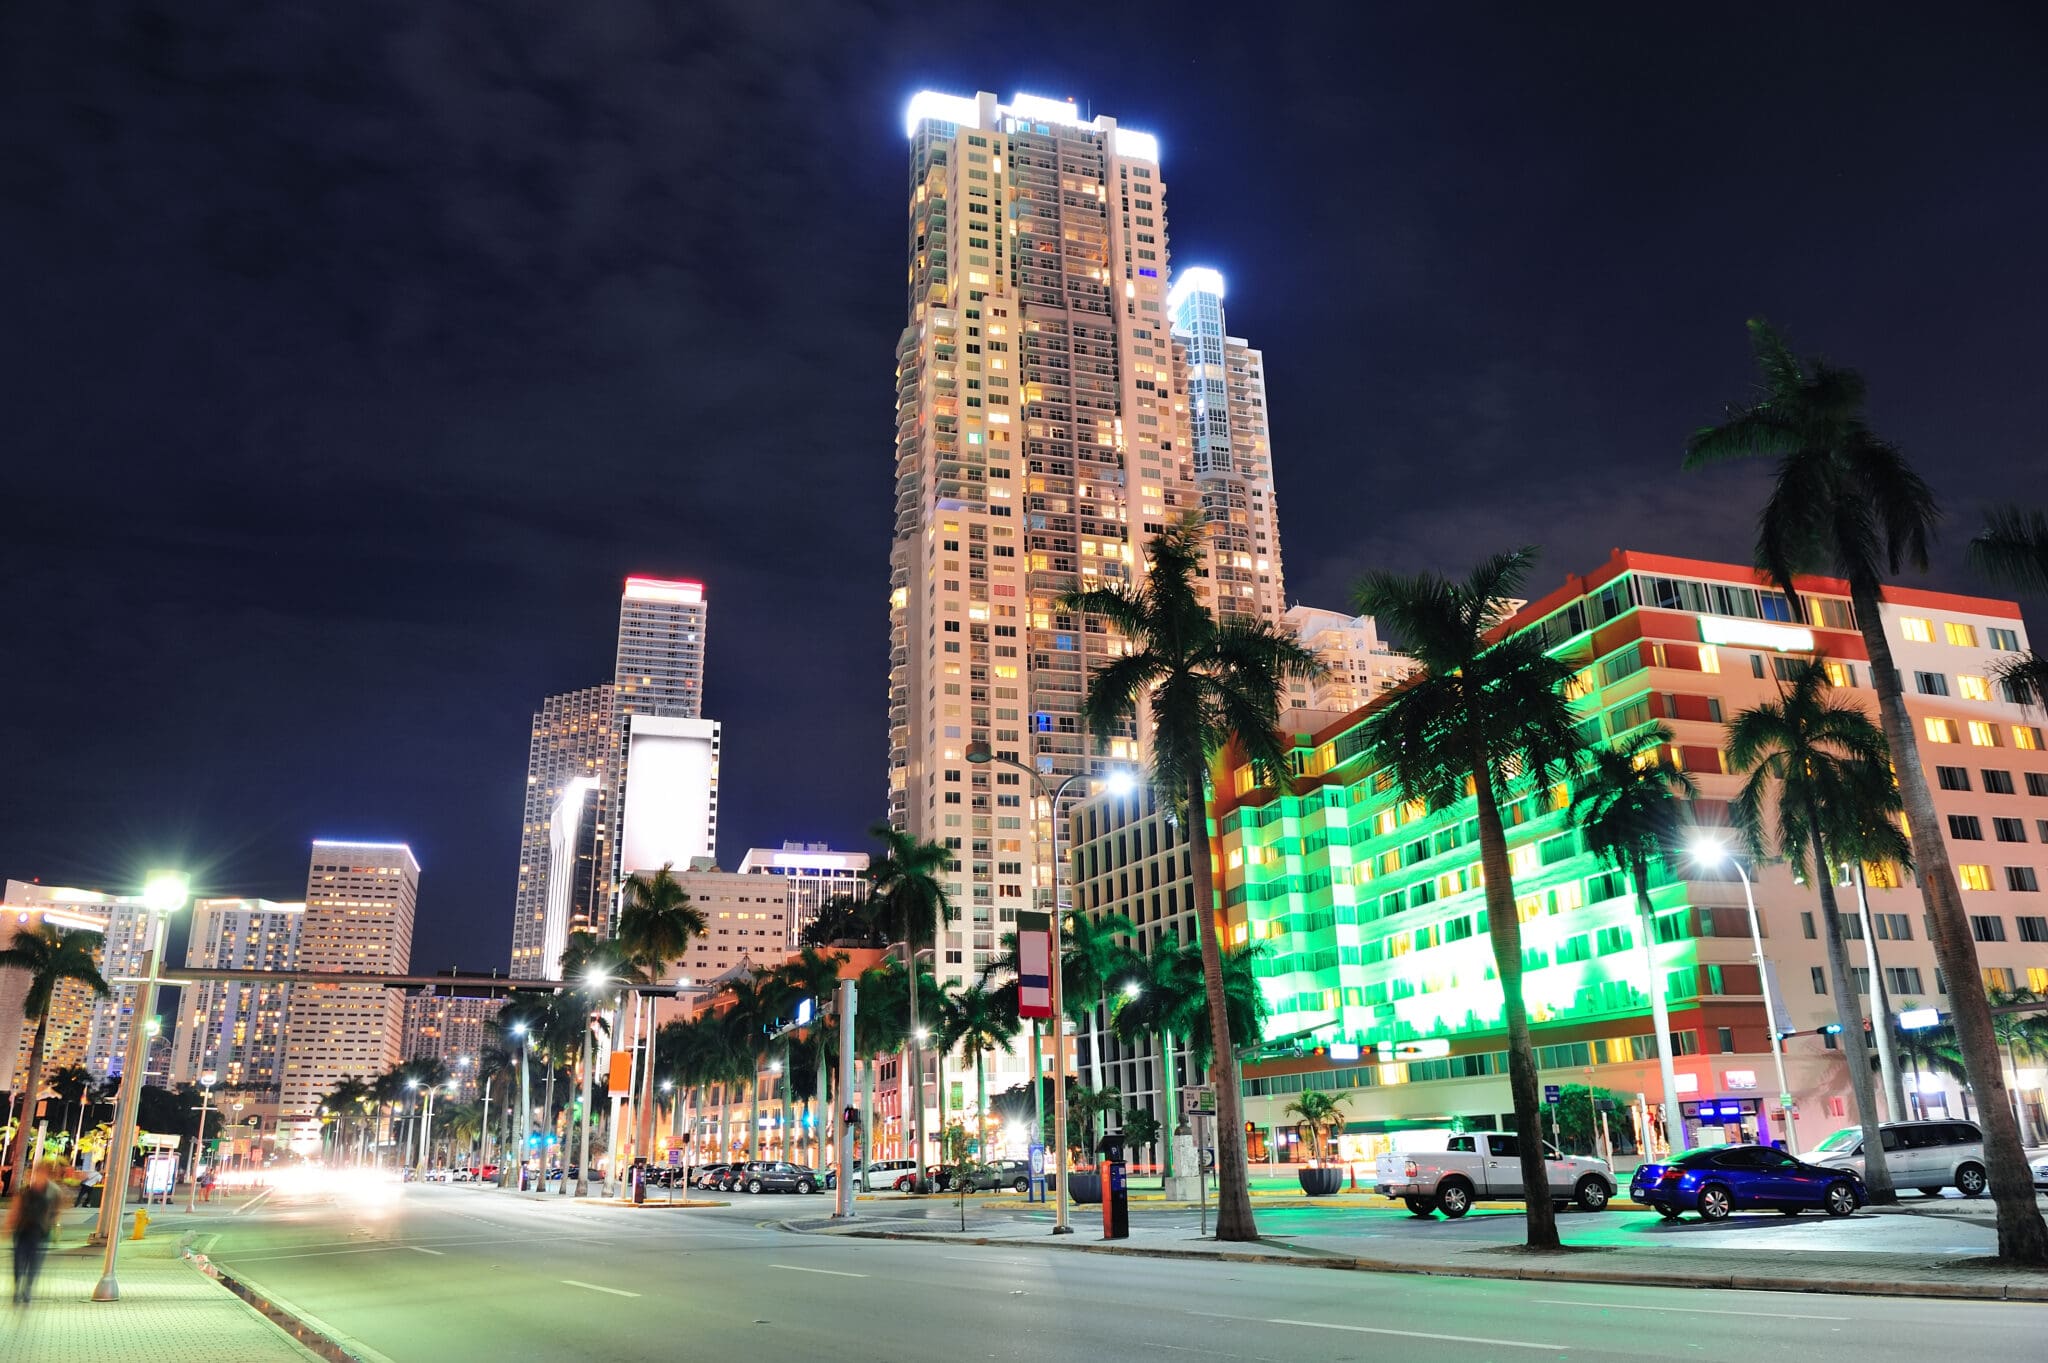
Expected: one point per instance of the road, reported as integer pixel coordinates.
(439, 1273)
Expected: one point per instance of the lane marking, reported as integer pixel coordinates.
(792, 1268)
(1689, 1310)
(422, 1249)
(254, 1201)
(1380, 1330)
(615, 1291)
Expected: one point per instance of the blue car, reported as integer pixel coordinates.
(1724, 1179)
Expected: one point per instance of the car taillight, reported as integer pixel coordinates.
(1671, 1175)
(1409, 1170)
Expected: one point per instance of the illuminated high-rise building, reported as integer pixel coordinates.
(572, 766)
(235, 1028)
(1225, 395)
(1037, 447)
(82, 1029)
(813, 873)
(360, 899)
(660, 665)
(1358, 663)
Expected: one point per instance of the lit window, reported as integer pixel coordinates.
(1710, 658)
(1919, 631)
(1984, 735)
(1962, 636)
(1840, 675)
(2026, 737)
(1972, 688)
(1974, 877)
(1940, 730)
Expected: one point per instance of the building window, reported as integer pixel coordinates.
(1997, 782)
(1953, 778)
(1965, 828)
(1930, 683)
(1919, 631)
(2037, 783)
(2023, 879)
(1960, 635)
(1820, 980)
(1806, 926)
(1902, 979)
(2033, 927)
(1974, 877)
(2025, 737)
(1987, 927)
(1972, 688)
(1727, 1040)
(1984, 734)
(2010, 830)
(2004, 640)
(1939, 730)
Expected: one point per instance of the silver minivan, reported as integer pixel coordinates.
(1929, 1155)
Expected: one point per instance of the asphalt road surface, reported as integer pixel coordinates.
(453, 1273)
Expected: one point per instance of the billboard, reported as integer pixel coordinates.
(671, 812)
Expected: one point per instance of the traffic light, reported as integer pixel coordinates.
(1831, 1028)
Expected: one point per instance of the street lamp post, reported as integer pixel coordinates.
(525, 1103)
(1711, 852)
(980, 753)
(163, 894)
(206, 1081)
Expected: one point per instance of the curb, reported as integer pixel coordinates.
(305, 1331)
(2024, 1291)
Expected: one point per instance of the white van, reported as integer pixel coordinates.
(883, 1174)
(1929, 1156)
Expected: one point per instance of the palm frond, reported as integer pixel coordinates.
(2012, 548)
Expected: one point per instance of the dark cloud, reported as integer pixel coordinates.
(353, 353)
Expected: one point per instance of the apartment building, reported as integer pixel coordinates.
(360, 901)
(1358, 663)
(448, 1028)
(29, 905)
(235, 1028)
(572, 796)
(813, 874)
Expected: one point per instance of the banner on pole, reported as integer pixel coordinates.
(621, 1075)
(1034, 964)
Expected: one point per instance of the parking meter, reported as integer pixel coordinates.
(1116, 1200)
(639, 1180)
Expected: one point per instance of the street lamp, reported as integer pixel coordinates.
(163, 894)
(1708, 850)
(206, 1082)
(1120, 782)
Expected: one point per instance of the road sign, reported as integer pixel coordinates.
(675, 1156)
(1198, 1100)
(1550, 1093)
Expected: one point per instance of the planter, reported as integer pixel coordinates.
(1320, 1182)
(1085, 1187)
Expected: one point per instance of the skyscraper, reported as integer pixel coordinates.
(660, 666)
(1037, 439)
(448, 1028)
(1358, 664)
(1225, 383)
(572, 767)
(813, 873)
(76, 1017)
(360, 898)
(235, 1028)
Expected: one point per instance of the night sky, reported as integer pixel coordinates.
(354, 353)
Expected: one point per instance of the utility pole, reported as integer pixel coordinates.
(848, 1005)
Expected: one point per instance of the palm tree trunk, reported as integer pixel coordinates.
(1233, 1196)
(1504, 927)
(583, 1158)
(2022, 1234)
(1880, 1009)
(28, 1101)
(2019, 1109)
(867, 1156)
(754, 1112)
(786, 1144)
(1849, 1012)
(981, 1102)
(643, 1145)
(1167, 1116)
(1660, 1014)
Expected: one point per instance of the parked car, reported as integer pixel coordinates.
(736, 1178)
(2040, 1172)
(708, 1175)
(1929, 1156)
(1014, 1174)
(883, 1173)
(1487, 1164)
(780, 1176)
(1720, 1180)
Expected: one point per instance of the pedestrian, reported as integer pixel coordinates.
(31, 1218)
(206, 1186)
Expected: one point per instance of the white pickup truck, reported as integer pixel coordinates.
(1486, 1164)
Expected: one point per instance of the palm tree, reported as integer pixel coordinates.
(810, 974)
(2012, 548)
(913, 899)
(1627, 801)
(745, 1025)
(1206, 684)
(50, 956)
(976, 1022)
(844, 921)
(2022, 1035)
(1492, 716)
(595, 971)
(1847, 502)
(1096, 958)
(656, 926)
(1869, 835)
(1164, 995)
(346, 1101)
(1323, 1114)
(1809, 759)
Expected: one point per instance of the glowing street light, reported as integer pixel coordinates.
(207, 1078)
(163, 894)
(1708, 850)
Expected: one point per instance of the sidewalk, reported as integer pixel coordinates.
(1867, 1274)
(168, 1310)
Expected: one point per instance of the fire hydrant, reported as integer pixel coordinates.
(141, 1224)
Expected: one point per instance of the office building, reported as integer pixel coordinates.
(660, 664)
(1358, 664)
(448, 1028)
(360, 899)
(1224, 382)
(572, 767)
(746, 923)
(813, 874)
(1371, 909)
(235, 1028)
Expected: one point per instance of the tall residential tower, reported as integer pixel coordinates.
(572, 762)
(235, 1028)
